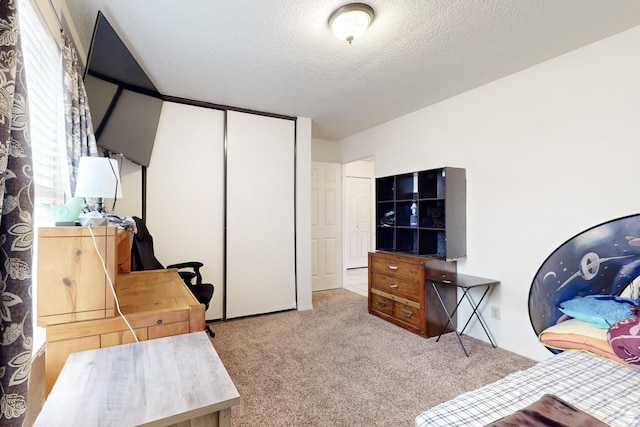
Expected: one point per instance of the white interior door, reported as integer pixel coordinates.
(326, 226)
(358, 213)
(260, 217)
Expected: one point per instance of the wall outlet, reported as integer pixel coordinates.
(495, 313)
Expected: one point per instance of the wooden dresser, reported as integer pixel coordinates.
(398, 292)
(76, 303)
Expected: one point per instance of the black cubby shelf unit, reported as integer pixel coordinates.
(423, 213)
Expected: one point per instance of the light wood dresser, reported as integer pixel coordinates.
(399, 294)
(176, 381)
(77, 306)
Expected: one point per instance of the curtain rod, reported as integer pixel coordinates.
(55, 13)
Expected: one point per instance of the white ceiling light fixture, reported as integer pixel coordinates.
(351, 20)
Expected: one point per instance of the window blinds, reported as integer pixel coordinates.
(46, 110)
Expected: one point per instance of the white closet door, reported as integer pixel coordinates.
(185, 192)
(260, 215)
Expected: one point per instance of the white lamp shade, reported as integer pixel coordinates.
(98, 177)
(350, 22)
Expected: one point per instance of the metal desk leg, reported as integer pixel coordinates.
(475, 308)
(450, 319)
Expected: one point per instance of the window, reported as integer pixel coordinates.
(46, 110)
(46, 119)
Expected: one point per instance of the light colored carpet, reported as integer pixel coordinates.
(337, 365)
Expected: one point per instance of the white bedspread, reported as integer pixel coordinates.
(598, 386)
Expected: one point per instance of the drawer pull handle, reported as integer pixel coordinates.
(159, 321)
(406, 313)
(393, 267)
(393, 286)
(381, 303)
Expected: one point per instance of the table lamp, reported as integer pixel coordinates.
(97, 178)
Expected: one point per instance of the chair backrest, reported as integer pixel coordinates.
(143, 257)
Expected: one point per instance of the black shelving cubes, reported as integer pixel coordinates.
(423, 213)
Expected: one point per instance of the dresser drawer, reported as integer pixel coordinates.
(395, 286)
(399, 294)
(381, 304)
(398, 268)
(407, 314)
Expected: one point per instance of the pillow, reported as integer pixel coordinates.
(576, 334)
(624, 338)
(601, 311)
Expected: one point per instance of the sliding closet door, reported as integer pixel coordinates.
(185, 192)
(260, 215)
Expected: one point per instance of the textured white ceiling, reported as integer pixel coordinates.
(279, 56)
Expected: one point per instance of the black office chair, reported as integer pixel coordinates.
(143, 258)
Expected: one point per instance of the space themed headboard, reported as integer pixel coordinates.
(602, 260)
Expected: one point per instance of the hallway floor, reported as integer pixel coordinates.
(356, 280)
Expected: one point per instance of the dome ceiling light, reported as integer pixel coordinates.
(351, 20)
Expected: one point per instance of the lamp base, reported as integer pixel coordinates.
(67, 224)
(100, 205)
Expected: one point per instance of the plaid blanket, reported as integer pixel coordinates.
(600, 387)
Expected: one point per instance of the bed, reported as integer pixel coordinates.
(595, 379)
(601, 387)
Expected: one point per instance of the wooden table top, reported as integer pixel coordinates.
(462, 280)
(153, 383)
(134, 289)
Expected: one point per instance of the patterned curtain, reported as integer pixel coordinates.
(79, 129)
(16, 223)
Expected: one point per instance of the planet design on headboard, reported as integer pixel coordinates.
(602, 260)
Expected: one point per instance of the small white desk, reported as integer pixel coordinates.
(160, 382)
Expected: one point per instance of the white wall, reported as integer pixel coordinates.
(360, 168)
(323, 150)
(549, 152)
(303, 212)
(131, 178)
